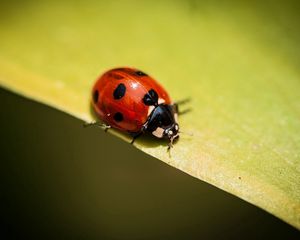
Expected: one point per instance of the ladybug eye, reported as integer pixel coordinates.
(140, 73)
(150, 98)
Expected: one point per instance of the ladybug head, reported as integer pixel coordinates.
(171, 132)
(162, 122)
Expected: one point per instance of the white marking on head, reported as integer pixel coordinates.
(160, 101)
(159, 132)
(150, 109)
(170, 132)
(176, 127)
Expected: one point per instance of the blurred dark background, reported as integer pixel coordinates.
(62, 181)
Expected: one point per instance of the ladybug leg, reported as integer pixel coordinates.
(135, 136)
(104, 126)
(89, 124)
(170, 145)
(184, 111)
(138, 134)
(183, 101)
(176, 106)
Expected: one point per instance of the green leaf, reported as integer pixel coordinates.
(239, 63)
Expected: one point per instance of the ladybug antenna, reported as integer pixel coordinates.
(186, 133)
(183, 101)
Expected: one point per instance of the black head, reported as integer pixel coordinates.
(162, 122)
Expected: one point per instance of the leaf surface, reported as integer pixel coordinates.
(239, 63)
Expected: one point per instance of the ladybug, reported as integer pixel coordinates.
(129, 100)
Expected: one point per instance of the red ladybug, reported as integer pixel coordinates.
(129, 100)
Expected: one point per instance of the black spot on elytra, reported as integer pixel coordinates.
(140, 73)
(151, 98)
(120, 91)
(95, 96)
(118, 117)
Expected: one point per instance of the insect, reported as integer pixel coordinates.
(129, 100)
